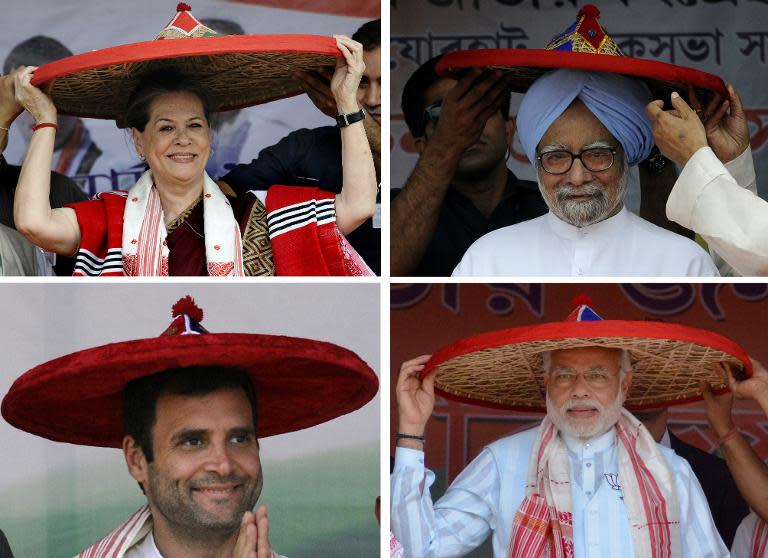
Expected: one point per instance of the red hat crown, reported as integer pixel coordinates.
(186, 318)
(586, 35)
(582, 311)
(185, 25)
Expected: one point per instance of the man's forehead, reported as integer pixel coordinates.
(595, 353)
(578, 122)
(224, 408)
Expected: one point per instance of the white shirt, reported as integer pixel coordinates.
(623, 245)
(720, 203)
(483, 500)
(146, 548)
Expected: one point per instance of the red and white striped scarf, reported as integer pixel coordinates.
(145, 251)
(760, 539)
(543, 524)
(122, 538)
(301, 225)
(304, 236)
(751, 540)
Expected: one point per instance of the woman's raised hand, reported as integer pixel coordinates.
(33, 99)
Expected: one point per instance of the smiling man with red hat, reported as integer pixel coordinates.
(187, 409)
(590, 480)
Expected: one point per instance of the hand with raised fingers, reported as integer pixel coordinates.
(317, 86)
(755, 387)
(466, 108)
(727, 130)
(346, 77)
(415, 397)
(718, 407)
(253, 538)
(245, 545)
(33, 99)
(678, 133)
(10, 108)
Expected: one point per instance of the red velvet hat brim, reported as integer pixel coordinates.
(503, 369)
(299, 383)
(530, 64)
(238, 70)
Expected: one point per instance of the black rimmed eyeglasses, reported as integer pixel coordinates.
(560, 161)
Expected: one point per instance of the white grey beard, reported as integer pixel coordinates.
(582, 213)
(607, 417)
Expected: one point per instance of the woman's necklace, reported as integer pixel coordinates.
(181, 218)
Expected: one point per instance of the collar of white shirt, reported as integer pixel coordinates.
(580, 446)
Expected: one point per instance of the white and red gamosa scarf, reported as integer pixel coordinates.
(124, 234)
(543, 524)
(145, 251)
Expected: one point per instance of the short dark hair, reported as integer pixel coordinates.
(35, 51)
(140, 396)
(157, 83)
(414, 101)
(369, 35)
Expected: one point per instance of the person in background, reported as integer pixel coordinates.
(312, 157)
(716, 192)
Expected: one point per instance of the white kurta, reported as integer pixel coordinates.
(622, 246)
(483, 499)
(720, 203)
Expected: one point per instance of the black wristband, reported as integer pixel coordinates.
(344, 120)
(400, 436)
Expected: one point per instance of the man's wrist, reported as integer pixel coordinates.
(721, 431)
(445, 153)
(347, 107)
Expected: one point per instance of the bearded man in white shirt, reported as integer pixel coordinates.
(582, 127)
(589, 481)
(582, 158)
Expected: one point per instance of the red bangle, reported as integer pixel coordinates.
(732, 433)
(36, 127)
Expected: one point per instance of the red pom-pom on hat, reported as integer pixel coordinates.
(581, 299)
(589, 10)
(182, 7)
(187, 306)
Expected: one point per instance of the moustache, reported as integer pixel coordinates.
(582, 404)
(569, 191)
(214, 479)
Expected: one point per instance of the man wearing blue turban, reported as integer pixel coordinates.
(582, 131)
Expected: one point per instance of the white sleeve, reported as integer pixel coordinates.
(699, 537)
(720, 203)
(464, 267)
(457, 523)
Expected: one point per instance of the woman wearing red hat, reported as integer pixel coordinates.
(175, 220)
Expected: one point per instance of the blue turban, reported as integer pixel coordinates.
(617, 101)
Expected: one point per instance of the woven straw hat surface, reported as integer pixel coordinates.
(238, 70)
(505, 368)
